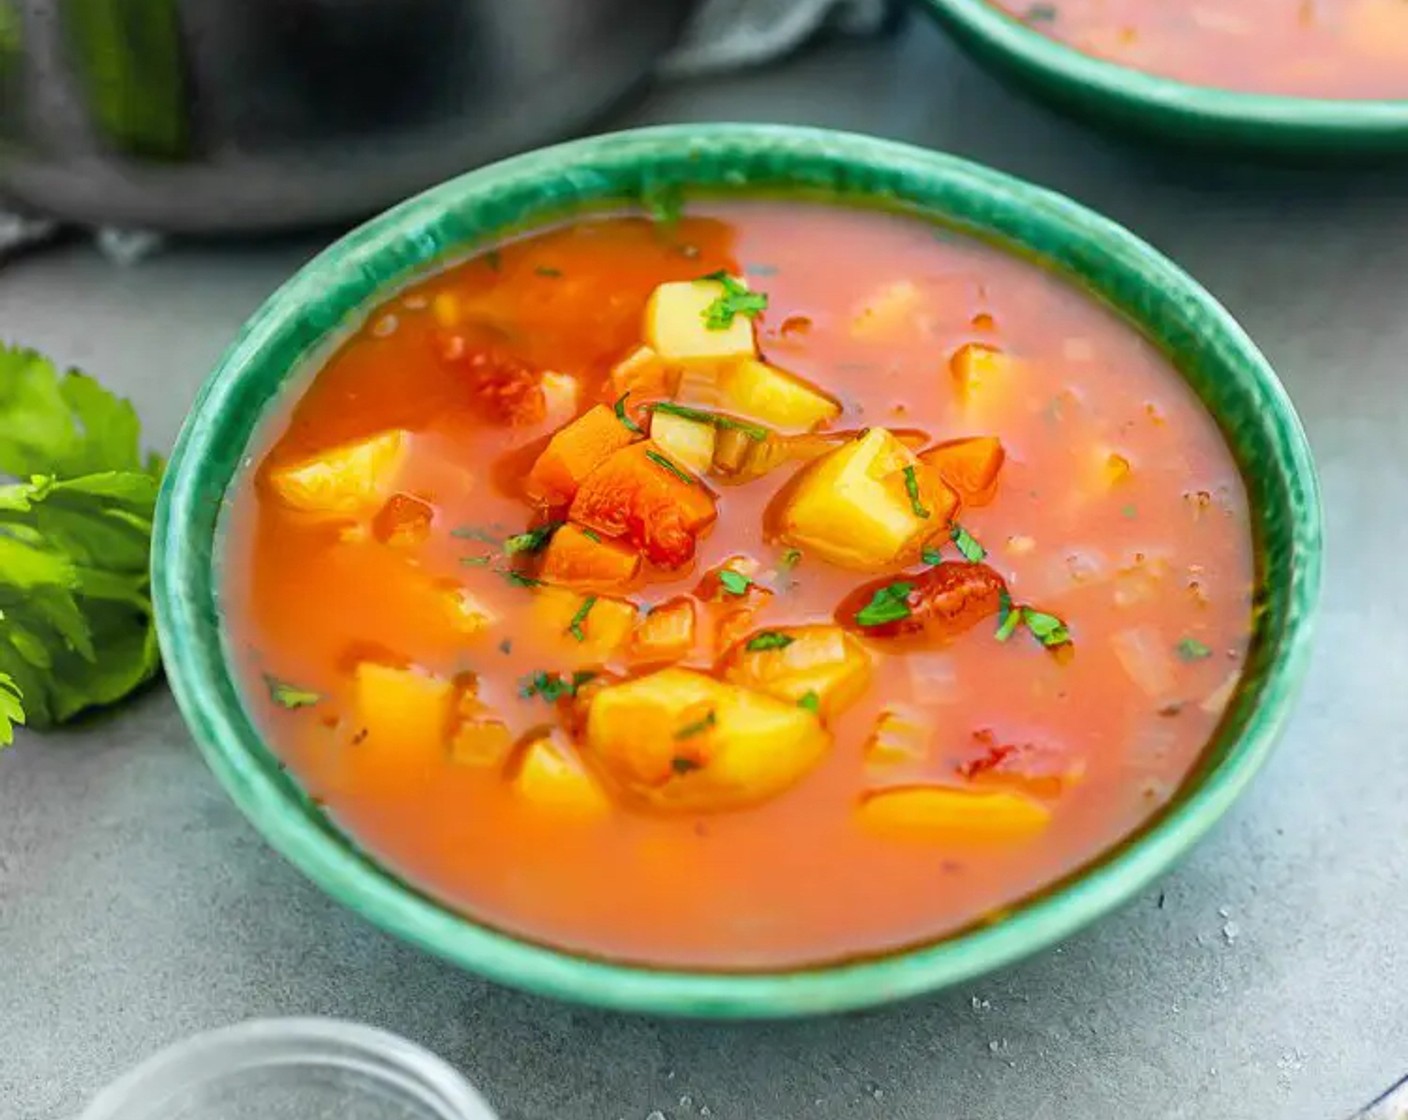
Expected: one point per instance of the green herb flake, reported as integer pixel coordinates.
(1008, 616)
(1190, 649)
(810, 701)
(621, 415)
(911, 487)
(506, 646)
(681, 765)
(475, 561)
(534, 540)
(968, 545)
(698, 727)
(591, 535)
(790, 559)
(289, 696)
(737, 299)
(575, 626)
(518, 579)
(1129, 512)
(931, 556)
(679, 472)
(1049, 630)
(768, 639)
(552, 687)
(474, 533)
(735, 583)
(546, 270)
(889, 604)
(753, 431)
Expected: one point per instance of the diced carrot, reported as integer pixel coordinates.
(654, 503)
(577, 557)
(403, 522)
(970, 466)
(574, 452)
(667, 633)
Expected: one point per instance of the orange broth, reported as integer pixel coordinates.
(1118, 509)
(1354, 49)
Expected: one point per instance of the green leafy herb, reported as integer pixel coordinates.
(475, 561)
(967, 544)
(769, 639)
(660, 460)
(889, 604)
(790, 559)
(681, 765)
(506, 646)
(591, 535)
(474, 533)
(533, 540)
(76, 627)
(698, 727)
(931, 556)
(810, 701)
(1040, 13)
(553, 686)
(545, 270)
(664, 202)
(290, 696)
(575, 626)
(737, 299)
(518, 579)
(1049, 630)
(622, 415)
(735, 583)
(1190, 649)
(911, 487)
(717, 420)
(1008, 616)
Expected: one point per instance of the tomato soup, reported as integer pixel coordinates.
(778, 584)
(1301, 48)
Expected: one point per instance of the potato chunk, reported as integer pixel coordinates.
(401, 705)
(469, 613)
(774, 396)
(683, 740)
(942, 813)
(349, 480)
(667, 633)
(550, 776)
(676, 324)
(983, 378)
(690, 442)
(853, 506)
(796, 663)
(600, 628)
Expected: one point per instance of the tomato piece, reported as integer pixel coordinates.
(937, 603)
(503, 389)
(970, 466)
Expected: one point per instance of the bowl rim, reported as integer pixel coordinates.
(190, 634)
(1324, 116)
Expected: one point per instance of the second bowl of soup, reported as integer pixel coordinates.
(709, 570)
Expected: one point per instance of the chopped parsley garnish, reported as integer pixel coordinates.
(810, 701)
(621, 415)
(967, 544)
(475, 561)
(474, 533)
(591, 535)
(506, 646)
(533, 540)
(1190, 649)
(290, 696)
(1049, 630)
(698, 727)
(769, 639)
(735, 583)
(752, 431)
(736, 300)
(575, 626)
(931, 556)
(553, 686)
(790, 559)
(682, 765)
(1008, 616)
(660, 460)
(545, 270)
(911, 487)
(1040, 13)
(518, 579)
(889, 604)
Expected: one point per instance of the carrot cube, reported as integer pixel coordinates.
(574, 452)
(577, 556)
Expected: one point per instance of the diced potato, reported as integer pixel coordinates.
(403, 522)
(675, 326)
(899, 738)
(853, 507)
(820, 661)
(969, 466)
(690, 442)
(941, 813)
(574, 452)
(469, 613)
(667, 633)
(550, 776)
(403, 706)
(983, 377)
(683, 740)
(350, 480)
(583, 558)
(644, 374)
(886, 312)
(561, 392)
(481, 741)
(774, 396)
(604, 628)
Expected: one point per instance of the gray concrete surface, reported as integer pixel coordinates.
(1268, 977)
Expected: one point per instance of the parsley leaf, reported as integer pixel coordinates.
(769, 639)
(475, 561)
(621, 414)
(575, 626)
(810, 701)
(1190, 649)
(545, 270)
(790, 559)
(591, 535)
(889, 604)
(474, 533)
(967, 544)
(1008, 616)
(755, 432)
(682, 765)
(911, 487)
(931, 556)
(736, 300)
(518, 579)
(660, 460)
(1049, 630)
(533, 540)
(289, 696)
(735, 583)
(553, 686)
(698, 727)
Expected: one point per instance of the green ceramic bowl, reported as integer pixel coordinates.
(1303, 129)
(370, 263)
